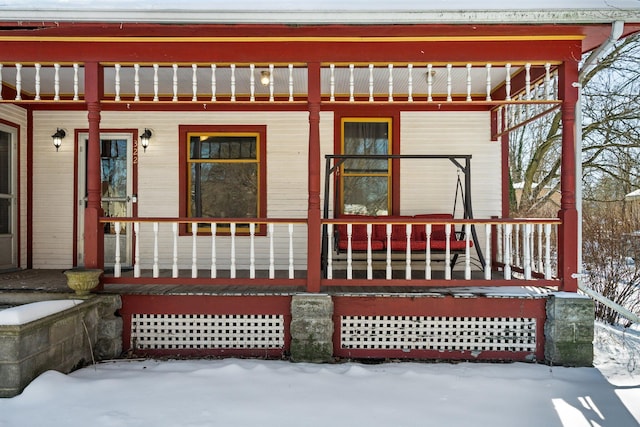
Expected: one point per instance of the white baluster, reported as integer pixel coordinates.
(330, 251)
(447, 252)
(370, 82)
(291, 267)
(136, 82)
(136, 262)
(369, 262)
(155, 83)
(547, 81)
(156, 269)
(349, 252)
(507, 251)
(467, 252)
(526, 249)
(389, 271)
(194, 250)
(332, 83)
(117, 81)
(468, 82)
(272, 264)
(213, 82)
(18, 82)
(429, 82)
(290, 82)
(174, 269)
(194, 82)
(214, 267)
(252, 250)
(407, 270)
(175, 82)
(252, 83)
(76, 68)
(540, 257)
(487, 251)
(117, 266)
(547, 251)
(232, 267)
(271, 83)
(488, 66)
(508, 82)
(390, 99)
(37, 95)
(527, 80)
(351, 83)
(499, 240)
(427, 262)
(410, 83)
(516, 239)
(56, 82)
(233, 82)
(449, 82)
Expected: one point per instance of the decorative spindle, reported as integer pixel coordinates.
(37, 95)
(508, 82)
(252, 83)
(214, 267)
(449, 66)
(370, 82)
(136, 82)
(271, 83)
(429, 82)
(290, 82)
(117, 81)
(351, 83)
(410, 83)
(56, 82)
(233, 82)
(175, 82)
(18, 82)
(547, 81)
(76, 68)
(194, 82)
(468, 82)
(213, 82)
(155, 83)
(488, 67)
(332, 83)
(390, 99)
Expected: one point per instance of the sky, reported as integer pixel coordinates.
(270, 393)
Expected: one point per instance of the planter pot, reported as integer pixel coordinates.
(82, 281)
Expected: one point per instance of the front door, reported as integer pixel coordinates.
(8, 205)
(117, 195)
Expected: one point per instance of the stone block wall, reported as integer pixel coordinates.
(569, 330)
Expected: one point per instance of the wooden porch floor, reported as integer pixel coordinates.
(54, 281)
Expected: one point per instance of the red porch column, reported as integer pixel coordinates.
(93, 232)
(568, 233)
(314, 224)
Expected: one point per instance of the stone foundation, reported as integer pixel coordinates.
(311, 328)
(569, 330)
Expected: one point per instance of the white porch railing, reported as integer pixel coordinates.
(522, 249)
(182, 245)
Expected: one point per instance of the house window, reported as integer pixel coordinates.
(225, 174)
(365, 183)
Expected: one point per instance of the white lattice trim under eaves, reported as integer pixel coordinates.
(207, 331)
(438, 333)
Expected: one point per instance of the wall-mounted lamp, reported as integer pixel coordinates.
(265, 78)
(144, 138)
(57, 138)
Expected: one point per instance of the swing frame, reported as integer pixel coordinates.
(461, 161)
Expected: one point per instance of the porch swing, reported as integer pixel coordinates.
(463, 164)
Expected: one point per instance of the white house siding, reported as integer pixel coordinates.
(158, 192)
(18, 116)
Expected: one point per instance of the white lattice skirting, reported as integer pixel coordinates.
(438, 333)
(206, 331)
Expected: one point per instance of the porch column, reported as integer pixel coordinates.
(314, 224)
(568, 233)
(93, 233)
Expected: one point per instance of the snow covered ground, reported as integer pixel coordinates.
(233, 392)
